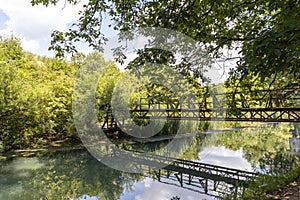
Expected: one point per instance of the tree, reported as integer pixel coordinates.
(35, 97)
(36, 94)
(266, 33)
(106, 85)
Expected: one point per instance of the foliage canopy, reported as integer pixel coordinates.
(265, 33)
(36, 95)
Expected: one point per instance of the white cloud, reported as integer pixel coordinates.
(224, 157)
(30, 45)
(149, 189)
(34, 24)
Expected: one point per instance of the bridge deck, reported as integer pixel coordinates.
(222, 114)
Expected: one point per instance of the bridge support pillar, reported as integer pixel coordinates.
(179, 178)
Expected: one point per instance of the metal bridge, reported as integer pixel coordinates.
(261, 106)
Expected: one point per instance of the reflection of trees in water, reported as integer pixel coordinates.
(70, 176)
(279, 163)
(158, 148)
(64, 176)
(264, 146)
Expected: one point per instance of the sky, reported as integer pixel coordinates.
(34, 24)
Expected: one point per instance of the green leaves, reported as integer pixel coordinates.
(275, 49)
(35, 96)
(266, 32)
(49, 2)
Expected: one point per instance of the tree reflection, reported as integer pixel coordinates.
(265, 146)
(70, 176)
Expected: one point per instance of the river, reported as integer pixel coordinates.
(264, 148)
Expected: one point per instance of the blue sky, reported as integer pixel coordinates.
(34, 25)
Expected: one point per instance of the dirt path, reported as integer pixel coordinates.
(290, 191)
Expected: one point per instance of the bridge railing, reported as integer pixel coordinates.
(146, 104)
(256, 98)
(264, 98)
(258, 105)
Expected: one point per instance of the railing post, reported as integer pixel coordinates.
(148, 104)
(270, 100)
(206, 186)
(140, 103)
(214, 101)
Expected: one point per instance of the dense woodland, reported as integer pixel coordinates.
(36, 91)
(36, 95)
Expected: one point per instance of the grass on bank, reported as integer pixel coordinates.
(260, 187)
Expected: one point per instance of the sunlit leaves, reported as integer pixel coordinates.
(265, 32)
(35, 96)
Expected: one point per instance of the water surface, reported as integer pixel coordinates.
(78, 175)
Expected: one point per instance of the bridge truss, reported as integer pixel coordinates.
(267, 106)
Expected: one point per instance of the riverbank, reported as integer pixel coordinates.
(64, 145)
(284, 186)
(289, 191)
(73, 144)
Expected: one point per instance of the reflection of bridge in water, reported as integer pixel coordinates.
(212, 180)
(203, 178)
(195, 183)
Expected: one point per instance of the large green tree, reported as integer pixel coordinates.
(36, 94)
(265, 33)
